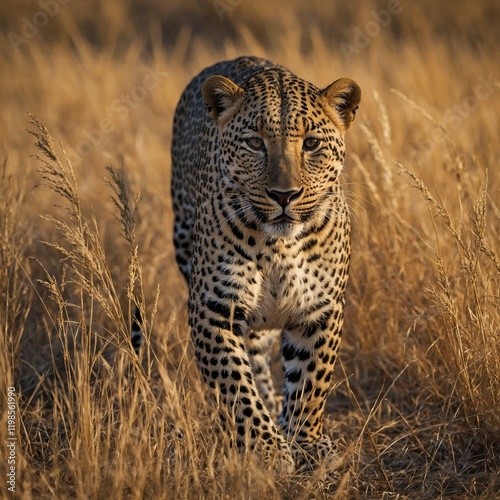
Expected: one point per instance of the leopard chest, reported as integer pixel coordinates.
(278, 282)
(287, 288)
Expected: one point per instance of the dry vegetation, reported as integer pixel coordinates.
(417, 405)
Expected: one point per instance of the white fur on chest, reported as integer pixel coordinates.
(281, 295)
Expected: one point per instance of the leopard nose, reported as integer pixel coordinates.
(284, 198)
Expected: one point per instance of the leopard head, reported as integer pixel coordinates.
(281, 143)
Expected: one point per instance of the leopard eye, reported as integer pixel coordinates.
(256, 143)
(310, 143)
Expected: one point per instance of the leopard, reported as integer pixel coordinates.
(262, 237)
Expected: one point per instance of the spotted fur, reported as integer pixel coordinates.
(262, 238)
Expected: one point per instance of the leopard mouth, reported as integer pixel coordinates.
(282, 218)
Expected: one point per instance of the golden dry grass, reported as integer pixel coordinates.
(417, 405)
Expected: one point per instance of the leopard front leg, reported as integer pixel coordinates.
(218, 329)
(259, 346)
(309, 352)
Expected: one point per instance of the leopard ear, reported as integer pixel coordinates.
(221, 96)
(344, 96)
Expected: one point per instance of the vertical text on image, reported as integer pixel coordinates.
(11, 439)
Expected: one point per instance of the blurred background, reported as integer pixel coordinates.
(60, 53)
(105, 76)
(419, 388)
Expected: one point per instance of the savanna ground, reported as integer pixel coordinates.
(416, 407)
